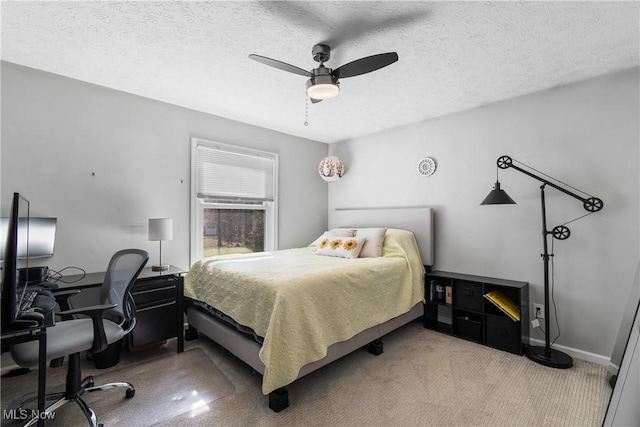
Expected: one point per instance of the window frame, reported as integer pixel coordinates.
(199, 204)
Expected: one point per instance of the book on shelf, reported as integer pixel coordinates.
(505, 304)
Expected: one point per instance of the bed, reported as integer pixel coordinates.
(289, 312)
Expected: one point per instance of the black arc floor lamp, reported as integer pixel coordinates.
(544, 355)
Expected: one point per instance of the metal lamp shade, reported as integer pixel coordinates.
(497, 196)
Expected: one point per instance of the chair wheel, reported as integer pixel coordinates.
(130, 393)
(190, 334)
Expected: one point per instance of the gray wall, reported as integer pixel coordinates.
(104, 161)
(585, 134)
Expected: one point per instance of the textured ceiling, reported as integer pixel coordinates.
(453, 55)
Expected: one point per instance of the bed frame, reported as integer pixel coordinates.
(418, 220)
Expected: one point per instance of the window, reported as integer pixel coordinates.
(233, 199)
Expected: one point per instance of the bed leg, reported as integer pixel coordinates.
(278, 399)
(191, 333)
(375, 347)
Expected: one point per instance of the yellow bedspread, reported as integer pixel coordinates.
(301, 303)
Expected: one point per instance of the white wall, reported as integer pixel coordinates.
(104, 161)
(585, 134)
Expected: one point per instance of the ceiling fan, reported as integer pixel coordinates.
(324, 82)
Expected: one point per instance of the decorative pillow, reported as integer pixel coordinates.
(375, 240)
(342, 247)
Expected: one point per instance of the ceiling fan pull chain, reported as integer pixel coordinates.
(306, 110)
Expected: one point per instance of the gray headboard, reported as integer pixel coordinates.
(418, 220)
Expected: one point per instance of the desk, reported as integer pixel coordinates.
(17, 336)
(158, 296)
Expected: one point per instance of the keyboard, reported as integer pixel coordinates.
(27, 301)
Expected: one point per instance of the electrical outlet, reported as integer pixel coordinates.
(538, 311)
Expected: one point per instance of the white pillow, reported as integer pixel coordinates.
(338, 232)
(339, 246)
(375, 240)
(345, 232)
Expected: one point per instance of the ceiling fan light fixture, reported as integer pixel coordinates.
(322, 87)
(323, 91)
(323, 81)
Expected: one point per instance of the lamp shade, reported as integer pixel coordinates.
(331, 168)
(322, 86)
(323, 91)
(497, 196)
(160, 229)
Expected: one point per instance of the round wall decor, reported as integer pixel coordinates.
(427, 166)
(331, 168)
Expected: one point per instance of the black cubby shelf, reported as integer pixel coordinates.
(471, 316)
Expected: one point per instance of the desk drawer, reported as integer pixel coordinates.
(154, 283)
(151, 295)
(154, 323)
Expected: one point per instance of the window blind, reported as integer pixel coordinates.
(227, 175)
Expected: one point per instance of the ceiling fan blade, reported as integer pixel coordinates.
(365, 65)
(315, 101)
(280, 65)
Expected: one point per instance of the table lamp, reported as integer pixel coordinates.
(160, 229)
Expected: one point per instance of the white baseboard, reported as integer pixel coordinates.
(576, 353)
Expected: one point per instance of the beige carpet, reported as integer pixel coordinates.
(423, 378)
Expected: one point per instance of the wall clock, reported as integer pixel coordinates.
(426, 166)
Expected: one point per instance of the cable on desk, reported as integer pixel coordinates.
(56, 276)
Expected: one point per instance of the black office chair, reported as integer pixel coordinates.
(95, 334)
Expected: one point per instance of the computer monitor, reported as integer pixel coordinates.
(41, 233)
(19, 213)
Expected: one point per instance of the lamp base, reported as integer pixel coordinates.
(552, 357)
(161, 267)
